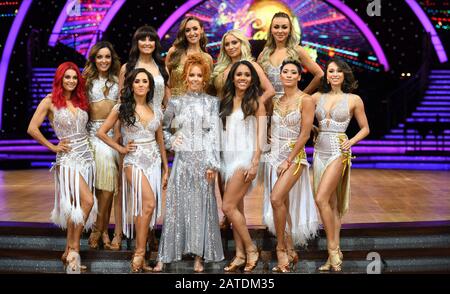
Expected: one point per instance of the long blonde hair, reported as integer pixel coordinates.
(181, 43)
(292, 41)
(223, 61)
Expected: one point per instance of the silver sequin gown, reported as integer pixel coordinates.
(106, 158)
(273, 74)
(144, 161)
(71, 166)
(332, 127)
(191, 224)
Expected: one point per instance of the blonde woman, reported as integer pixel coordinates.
(282, 43)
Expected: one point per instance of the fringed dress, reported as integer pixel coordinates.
(332, 127)
(286, 128)
(106, 158)
(191, 224)
(70, 167)
(144, 161)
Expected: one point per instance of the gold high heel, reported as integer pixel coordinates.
(94, 239)
(282, 268)
(237, 263)
(252, 262)
(138, 264)
(105, 240)
(116, 243)
(83, 268)
(159, 267)
(334, 261)
(293, 258)
(73, 262)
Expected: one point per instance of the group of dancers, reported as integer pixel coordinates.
(226, 123)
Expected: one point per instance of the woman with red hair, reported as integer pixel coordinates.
(75, 205)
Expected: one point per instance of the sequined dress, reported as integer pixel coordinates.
(273, 74)
(106, 158)
(286, 128)
(72, 166)
(332, 127)
(144, 161)
(191, 224)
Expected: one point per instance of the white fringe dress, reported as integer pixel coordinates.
(106, 158)
(70, 166)
(285, 130)
(144, 161)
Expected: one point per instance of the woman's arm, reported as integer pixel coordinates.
(361, 118)
(266, 85)
(261, 131)
(162, 150)
(106, 126)
(122, 72)
(36, 121)
(312, 67)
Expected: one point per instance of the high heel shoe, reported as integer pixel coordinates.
(282, 268)
(252, 261)
(159, 267)
(198, 266)
(73, 262)
(94, 239)
(116, 243)
(293, 258)
(105, 240)
(83, 268)
(138, 264)
(237, 263)
(334, 261)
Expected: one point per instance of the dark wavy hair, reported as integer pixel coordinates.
(128, 105)
(140, 34)
(250, 102)
(349, 84)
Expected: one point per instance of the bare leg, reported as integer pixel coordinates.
(279, 197)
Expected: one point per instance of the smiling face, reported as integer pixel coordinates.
(242, 77)
(141, 85)
(290, 76)
(335, 75)
(232, 46)
(195, 79)
(103, 60)
(146, 45)
(193, 31)
(280, 29)
(70, 80)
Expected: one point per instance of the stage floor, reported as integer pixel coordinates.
(377, 196)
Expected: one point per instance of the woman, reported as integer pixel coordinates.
(332, 154)
(75, 205)
(100, 72)
(144, 150)
(235, 47)
(283, 42)
(190, 39)
(145, 53)
(287, 185)
(191, 224)
(240, 154)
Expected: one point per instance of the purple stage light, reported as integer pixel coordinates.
(364, 29)
(9, 45)
(428, 26)
(60, 22)
(175, 16)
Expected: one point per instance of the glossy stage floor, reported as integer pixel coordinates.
(401, 216)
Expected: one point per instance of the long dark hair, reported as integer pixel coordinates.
(140, 34)
(349, 84)
(250, 102)
(128, 105)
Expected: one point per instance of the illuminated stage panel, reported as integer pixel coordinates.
(323, 28)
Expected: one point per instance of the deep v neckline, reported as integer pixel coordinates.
(73, 113)
(328, 113)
